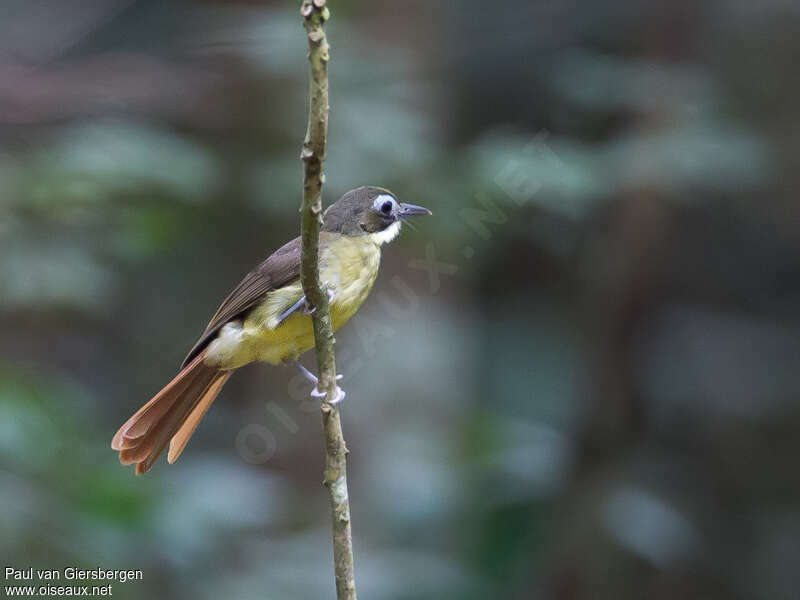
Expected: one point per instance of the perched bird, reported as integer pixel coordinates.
(266, 318)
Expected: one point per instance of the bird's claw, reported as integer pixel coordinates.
(316, 393)
(340, 394)
(310, 310)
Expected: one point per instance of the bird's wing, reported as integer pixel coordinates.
(279, 269)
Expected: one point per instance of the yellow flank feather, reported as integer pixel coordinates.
(348, 266)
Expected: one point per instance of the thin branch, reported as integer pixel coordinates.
(315, 13)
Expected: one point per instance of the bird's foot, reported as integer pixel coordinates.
(315, 393)
(310, 311)
(307, 308)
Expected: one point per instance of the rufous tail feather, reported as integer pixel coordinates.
(171, 417)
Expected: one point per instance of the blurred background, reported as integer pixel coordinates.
(578, 380)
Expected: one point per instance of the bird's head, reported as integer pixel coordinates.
(370, 211)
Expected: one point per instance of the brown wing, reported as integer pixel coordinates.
(282, 267)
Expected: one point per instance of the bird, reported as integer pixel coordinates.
(267, 318)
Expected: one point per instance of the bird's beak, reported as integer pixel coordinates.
(412, 210)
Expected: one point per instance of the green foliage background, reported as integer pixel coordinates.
(594, 396)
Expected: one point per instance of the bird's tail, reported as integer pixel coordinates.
(170, 417)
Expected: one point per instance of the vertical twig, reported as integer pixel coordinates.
(315, 13)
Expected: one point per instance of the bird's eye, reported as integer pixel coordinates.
(386, 208)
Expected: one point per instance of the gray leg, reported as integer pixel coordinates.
(315, 393)
(301, 304)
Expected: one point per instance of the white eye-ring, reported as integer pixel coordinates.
(384, 204)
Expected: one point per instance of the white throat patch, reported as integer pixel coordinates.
(387, 235)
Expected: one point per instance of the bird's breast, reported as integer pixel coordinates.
(349, 267)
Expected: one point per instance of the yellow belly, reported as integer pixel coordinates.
(348, 266)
